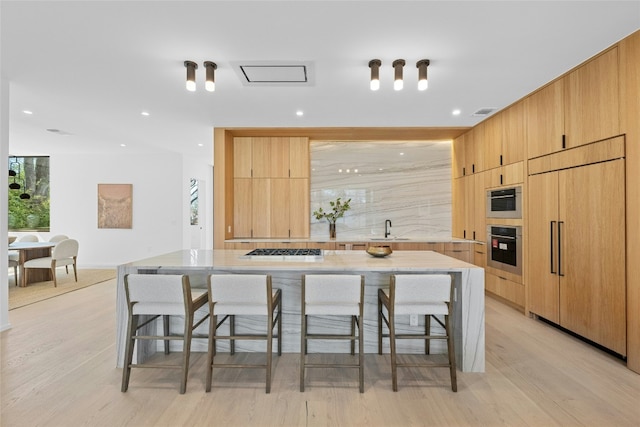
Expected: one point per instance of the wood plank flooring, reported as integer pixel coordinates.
(58, 369)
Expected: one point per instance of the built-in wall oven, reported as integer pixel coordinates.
(504, 203)
(504, 248)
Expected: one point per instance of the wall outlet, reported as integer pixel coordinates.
(413, 320)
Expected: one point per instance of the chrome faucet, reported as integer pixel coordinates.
(387, 231)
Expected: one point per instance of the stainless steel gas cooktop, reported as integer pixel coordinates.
(285, 254)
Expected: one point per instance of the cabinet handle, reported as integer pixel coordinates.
(464, 234)
(560, 272)
(500, 159)
(551, 245)
(564, 141)
(474, 235)
(463, 171)
(500, 179)
(473, 168)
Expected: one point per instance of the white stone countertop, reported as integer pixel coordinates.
(331, 260)
(373, 239)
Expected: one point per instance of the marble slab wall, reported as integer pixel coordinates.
(408, 183)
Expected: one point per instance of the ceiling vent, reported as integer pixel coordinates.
(483, 112)
(274, 73)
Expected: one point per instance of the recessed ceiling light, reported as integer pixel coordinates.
(200, 145)
(27, 112)
(402, 154)
(123, 145)
(299, 113)
(456, 112)
(145, 113)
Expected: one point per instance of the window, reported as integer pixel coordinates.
(29, 193)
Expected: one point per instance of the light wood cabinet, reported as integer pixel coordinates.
(275, 201)
(505, 175)
(474, 150)
(592, 101)
(480, 255)
(577, 109)
(511, 292)
(492, 141)
(352, 246)
(242, 207)
(545, 120)
(242, 157)
(576, 251)
(458, 207)
(468, 213)
(299, 203)
(459, 250)
(458, 157)
(299, 158)
(513, 134)
(261, 207)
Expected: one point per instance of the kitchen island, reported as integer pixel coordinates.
(286, 274)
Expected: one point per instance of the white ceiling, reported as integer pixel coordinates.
(90, 68)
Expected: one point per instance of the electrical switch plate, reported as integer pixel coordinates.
(413, 320)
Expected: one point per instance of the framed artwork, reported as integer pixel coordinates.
(115, 205)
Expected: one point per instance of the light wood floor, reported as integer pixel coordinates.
(58, 369)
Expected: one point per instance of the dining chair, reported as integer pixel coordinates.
(161, 295)
(430, 295)
(330, 295)
(14, 264)
(15, 255)
(63, 253)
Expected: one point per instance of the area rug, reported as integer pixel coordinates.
(34, 292)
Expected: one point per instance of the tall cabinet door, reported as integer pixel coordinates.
(545, 120)
(299, 217)
(279, 206)
(542, 240)
(592, 270)
(242, 202)
(261, 207)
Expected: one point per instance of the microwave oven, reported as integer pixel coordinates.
(504, 203)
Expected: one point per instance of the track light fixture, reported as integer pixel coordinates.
(375, 64)
(422, 65)
(191, 75)
(210, 83)
(397, 81)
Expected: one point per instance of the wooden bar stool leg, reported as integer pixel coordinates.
(165, 323)
(427, 331)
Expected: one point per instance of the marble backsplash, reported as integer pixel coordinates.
(408, 183)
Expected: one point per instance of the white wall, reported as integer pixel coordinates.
(157, 205)
(4, 154)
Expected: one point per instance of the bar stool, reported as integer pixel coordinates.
(430, 295)
(232, 295)
(332, 295)
(161, 295)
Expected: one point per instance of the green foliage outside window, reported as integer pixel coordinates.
(32, 177)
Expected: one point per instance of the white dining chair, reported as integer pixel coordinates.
(63, 253)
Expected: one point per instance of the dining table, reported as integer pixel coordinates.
(31, 250)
